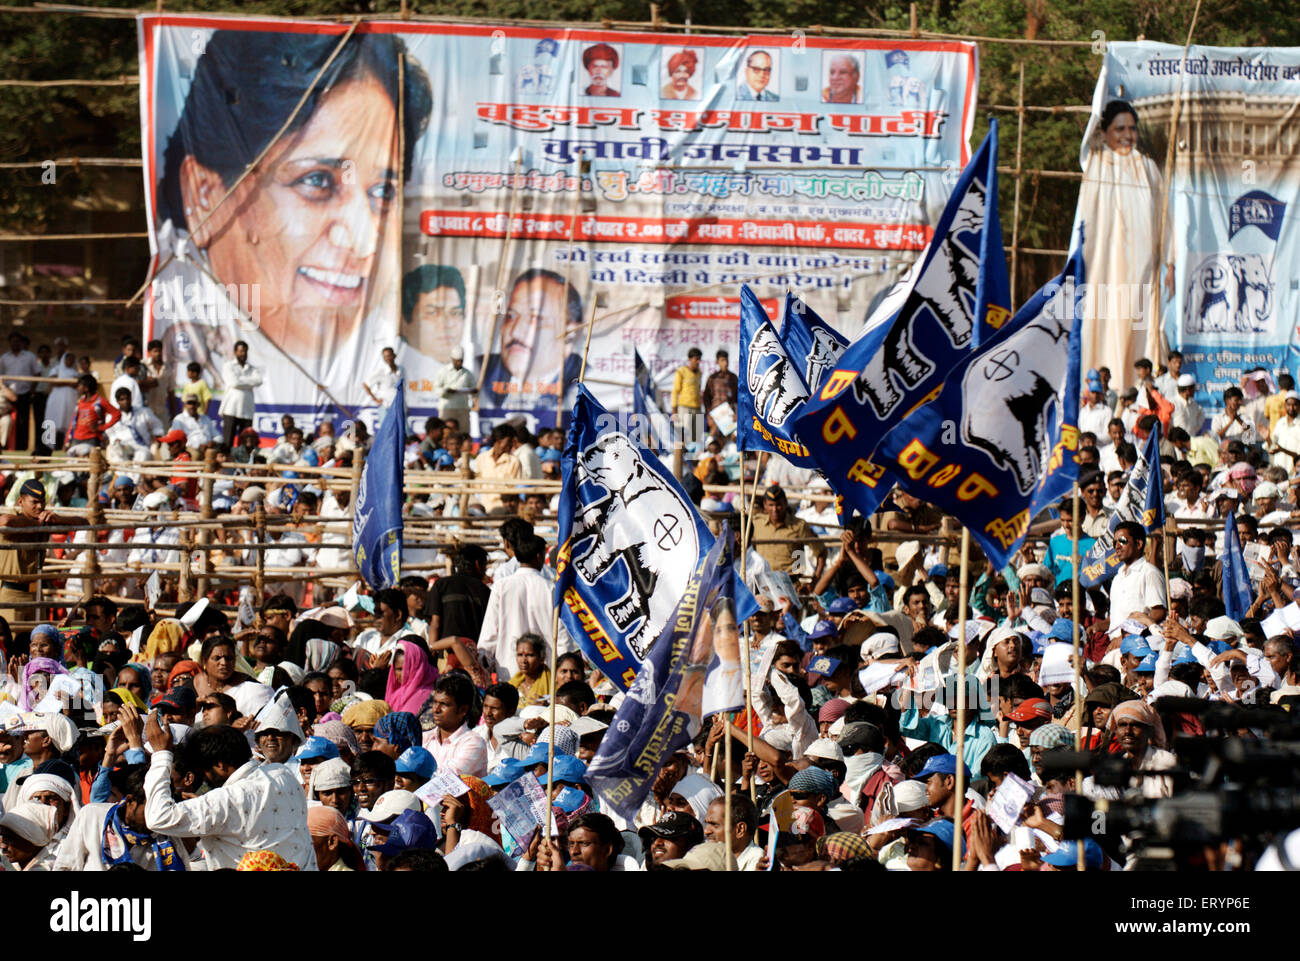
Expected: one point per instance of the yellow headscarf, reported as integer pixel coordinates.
(129, 696)
(165, 637)
(365, 713)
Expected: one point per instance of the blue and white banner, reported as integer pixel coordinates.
(956, 295)
(998, 444)
(771, 391)
(1142, 502)
(1236, 579)
(1218, 277)
(693, 671)
(814, 345)
(377, 521)
(629, 541)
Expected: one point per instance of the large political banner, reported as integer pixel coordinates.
(496, 190)
(1220, 275)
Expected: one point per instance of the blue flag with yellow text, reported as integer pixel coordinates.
(999, 442)
(377, 518)
(955, 296)
(630, 539)
(1143, 502)
(771, 390)
(693, 671)
(650, 419)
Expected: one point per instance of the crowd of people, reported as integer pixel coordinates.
(357, 730)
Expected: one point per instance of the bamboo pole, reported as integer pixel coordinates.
(207, 513)
(499, 295)
(1075, 620)
(959, 720)
(259, 577)
(1015, 214)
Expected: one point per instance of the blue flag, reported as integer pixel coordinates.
(1142, 502)
(771, 389)
(377, 517)
(630, 539)
(999, 442)
(1236, 580)
(814, 345)
(658, 430)
(693, 671)
(955, 296)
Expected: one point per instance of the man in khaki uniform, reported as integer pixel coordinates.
(777, 523)
(17, 564)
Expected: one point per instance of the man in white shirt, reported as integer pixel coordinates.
(1232, 423)
(521, 603)
(1137, 587)
(289, 450)
(381, 386)
(20, 361)
(525, 451)
(291, 550)
(132, 437)
(251, 806)
(237, 406)
(129, 380)
(1167, 383)
(1187, 412)
(1094, 415)
(454, 386)
(200, 430)
(1286, 434)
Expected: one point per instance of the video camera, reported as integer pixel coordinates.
(1227, 786)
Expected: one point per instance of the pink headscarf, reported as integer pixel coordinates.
(1141, 712)
(27, 698)
(418, 678)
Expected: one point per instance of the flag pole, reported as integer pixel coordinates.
(749, 629)
(555, 624)
(1074, 632)
(959, 722)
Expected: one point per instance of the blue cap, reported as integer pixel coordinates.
(318, 748)
(822, 666)
(410, 830)
(843, 605)
(505, 772)
(1067, 855)
(941, 829)
(939, 570)
(417, 761)
(538, 755)
(1185, 658)
(123, 480)
(941, 764)
(823, 629)
(569, 769)
(569, 799)
(1218, 647)
(547, 453)
(1039, 640)
(885, 580)
(1134, 644)
(1148, 665)
(1062, 630)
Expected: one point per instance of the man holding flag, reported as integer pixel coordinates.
(377, 519)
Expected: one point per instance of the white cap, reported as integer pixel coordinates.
(33, 821)
(587, 725)
(780, 737)
(331, 775)
(156, 499)
(879, 644)
(61, 729)
(1291, 395)
(457, 353)
(909, 796)
(826, 749)
(1223, 629)
(1266, 490)
(278, 714)
(1036, 570)
(1186, 380)
(392, 804)
(252, 495)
